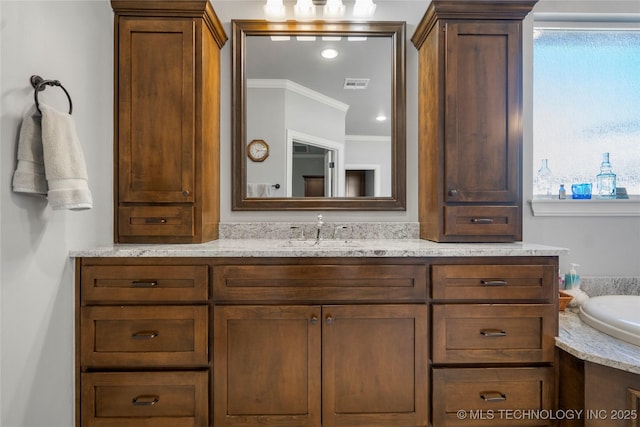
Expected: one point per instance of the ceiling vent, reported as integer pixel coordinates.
(356, 83)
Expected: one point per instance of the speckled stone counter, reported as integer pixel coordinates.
(325, 248)
(586, 343)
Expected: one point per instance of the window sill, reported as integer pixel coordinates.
(592, 207)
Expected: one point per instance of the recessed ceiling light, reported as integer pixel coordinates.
(381, 118)
(329, 53)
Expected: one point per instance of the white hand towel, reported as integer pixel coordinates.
(258, 190)
(64, 163)
(29, 175)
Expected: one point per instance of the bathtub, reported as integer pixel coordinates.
(615, 315)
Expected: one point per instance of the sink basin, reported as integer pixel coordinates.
(615, 315)
(320, 244)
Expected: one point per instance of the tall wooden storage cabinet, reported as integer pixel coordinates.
(167, 120)
(470, 126)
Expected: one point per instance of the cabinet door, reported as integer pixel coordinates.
(374, 366)
(156, 101)
(267, 366)
(483, 103)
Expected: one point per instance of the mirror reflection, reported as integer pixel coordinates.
(328, 100)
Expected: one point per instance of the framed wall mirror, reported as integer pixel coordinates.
(318, 115)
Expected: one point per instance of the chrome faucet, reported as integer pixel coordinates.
(319, 225)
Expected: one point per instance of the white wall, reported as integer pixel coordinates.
(72, 41)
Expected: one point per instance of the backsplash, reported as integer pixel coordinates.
(329, 230)
(595, 286)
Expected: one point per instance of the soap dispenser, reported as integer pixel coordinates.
(572, 287)
(572, 279)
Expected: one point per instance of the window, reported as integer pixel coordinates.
(586, 87)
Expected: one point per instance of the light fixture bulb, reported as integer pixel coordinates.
(329, 53)
(274, 10)
(304, 9)
(334, 9)
(364, 9)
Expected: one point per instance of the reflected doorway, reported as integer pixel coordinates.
(308, 155)
(359, 183)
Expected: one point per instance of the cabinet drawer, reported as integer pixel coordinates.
(326, 282)
(483, 221)
(154, 221)
(142, 399)
(492, 396)
(475, 333)
(144, 283)
(137, 336)
(490, 282)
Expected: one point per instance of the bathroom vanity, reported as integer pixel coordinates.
(274, 333)
(369, 333)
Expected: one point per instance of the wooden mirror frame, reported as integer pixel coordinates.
(396, 31)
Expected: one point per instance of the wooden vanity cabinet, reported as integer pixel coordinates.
(312, 341)
(167, 119)
(607, 397)
(336, 365)
(470, 126)
(493, 333)
(142, 333)
(346, 343)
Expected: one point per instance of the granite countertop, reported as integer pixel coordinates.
(325, 248)
(586, 343)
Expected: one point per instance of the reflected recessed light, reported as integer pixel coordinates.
(329, 53)
(381, 118)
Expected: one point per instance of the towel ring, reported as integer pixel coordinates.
(39, 84)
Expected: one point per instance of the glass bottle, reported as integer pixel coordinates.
(562, 192)
(606, 180)
(543, 179)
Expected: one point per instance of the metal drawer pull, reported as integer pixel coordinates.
(482, 220)
(145, 400)
(493, 333)
(497, 282)
(493, 396)
(144, 283)
(155, 220)
(145, 335)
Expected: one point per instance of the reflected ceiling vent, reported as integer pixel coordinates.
(300, 148)
(356, 83)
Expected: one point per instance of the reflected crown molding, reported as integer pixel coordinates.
(297, 88)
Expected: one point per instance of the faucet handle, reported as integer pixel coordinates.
(339, 227)
(301, 236)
